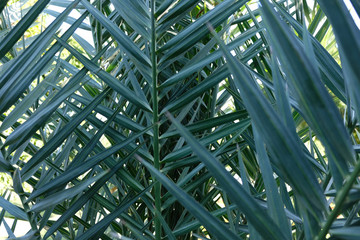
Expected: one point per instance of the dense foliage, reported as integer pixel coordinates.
(190, 119)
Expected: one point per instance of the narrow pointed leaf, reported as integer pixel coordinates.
(282, 144)
(60, 137)
(258, 218)
(101, 226)
(106, 77)
(209, 221)
(123, 40)
(59, 197)
(12, 209)
(11, 38)
(316, 104)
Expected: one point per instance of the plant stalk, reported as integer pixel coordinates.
(156, 146)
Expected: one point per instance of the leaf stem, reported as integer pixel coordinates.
(156, 146)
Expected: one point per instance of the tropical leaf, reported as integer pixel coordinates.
(263, 142)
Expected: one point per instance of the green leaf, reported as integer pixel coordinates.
(282, 144)
(101, 226)
(316, 105)
(59, 138)
(190, 95)
(275, 205)
(120, 119)
(11, 83)
(140, 21)
(15, 34)
(12, 209)
(61, 196)
(23, 132)
(220, 133)
(8, 229)
(209, 123)
(346, 233)
(349, 45)
(106, 77)
(27, 78)
(257, 217)
(213, 225)
(123, 40)
(79, 167)
(3, 5)
(5, 166)
(85, 197)
(198, 29)
(203, 61)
